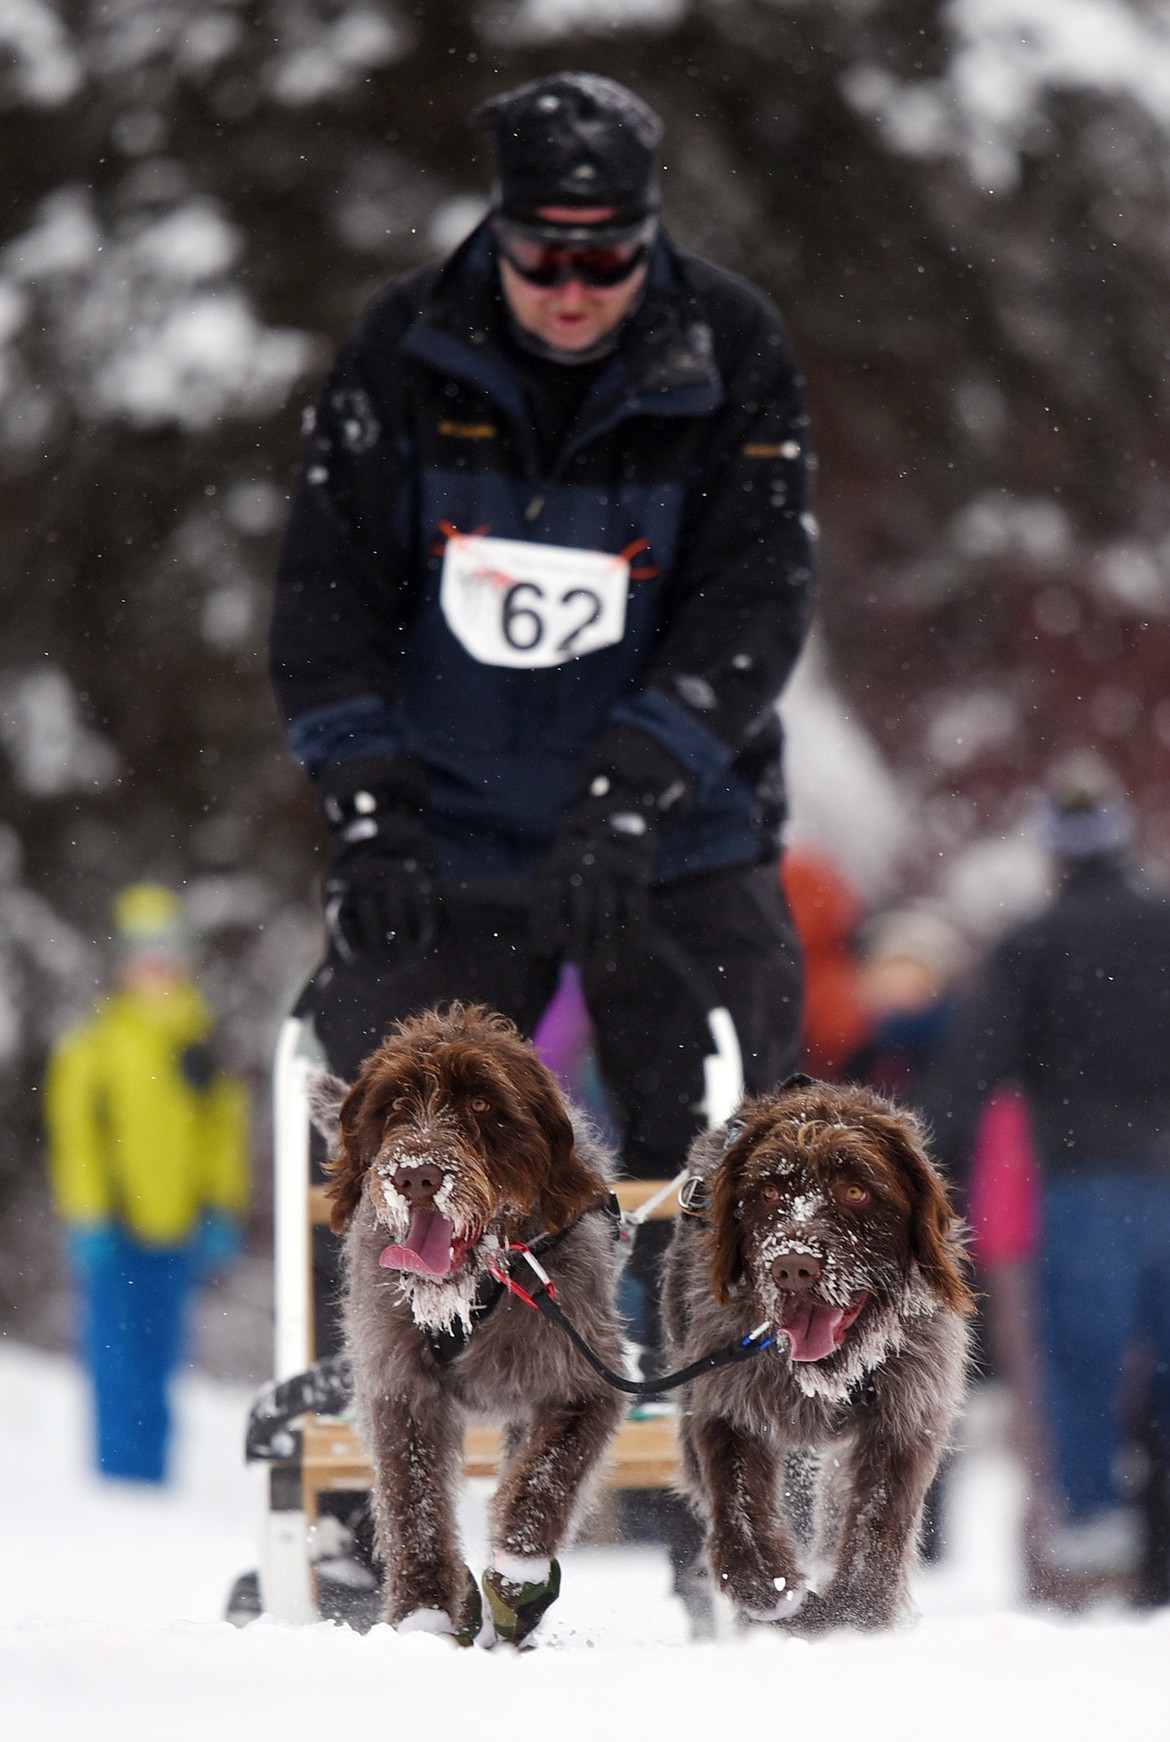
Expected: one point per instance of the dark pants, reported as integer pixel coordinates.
(1104, 1292)
(132, 1332)
(648, 1016)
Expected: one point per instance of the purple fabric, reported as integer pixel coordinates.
(564, 1033)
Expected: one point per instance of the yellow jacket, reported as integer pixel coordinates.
(130, 1138)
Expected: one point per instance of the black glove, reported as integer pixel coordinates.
(380, 892)
(592, 891)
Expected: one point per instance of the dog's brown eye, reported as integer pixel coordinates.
(852, 1194)
(771, 1194)
(479, 1104)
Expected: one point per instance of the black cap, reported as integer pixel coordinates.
(575, 139)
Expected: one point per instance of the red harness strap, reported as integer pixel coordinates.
(513, 1287)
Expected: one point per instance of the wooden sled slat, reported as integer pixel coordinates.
(643, 1455)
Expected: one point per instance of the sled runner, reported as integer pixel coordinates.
(310, 1466)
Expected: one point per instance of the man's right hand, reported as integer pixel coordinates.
(380, 892)
(591, 901)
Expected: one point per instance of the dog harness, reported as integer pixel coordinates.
(447, 1344)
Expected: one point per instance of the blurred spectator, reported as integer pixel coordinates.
(1074, 1007)
(909, 959)
(827, 912)
(148, 1165)
(1004, 1214)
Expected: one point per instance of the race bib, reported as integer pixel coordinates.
(531, 605)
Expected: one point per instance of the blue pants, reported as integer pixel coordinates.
(1104, 1290)
(132, 1336)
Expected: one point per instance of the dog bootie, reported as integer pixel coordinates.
(515, 1607)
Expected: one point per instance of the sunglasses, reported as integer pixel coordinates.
(545, 261)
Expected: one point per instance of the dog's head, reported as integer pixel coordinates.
(825, 1205)
(454, 1130)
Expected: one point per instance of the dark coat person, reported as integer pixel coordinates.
(1074, 1007)
(548, 567)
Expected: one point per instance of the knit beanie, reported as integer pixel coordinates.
(149, 919)
(575, 139)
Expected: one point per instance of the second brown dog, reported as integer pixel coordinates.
(820, 1214)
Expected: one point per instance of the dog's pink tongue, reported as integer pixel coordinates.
(427, 1251)
(812, 1331)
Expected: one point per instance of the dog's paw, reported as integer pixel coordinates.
(467, 1629)
(427, 1621)
(759, 1594)
(790, 1598)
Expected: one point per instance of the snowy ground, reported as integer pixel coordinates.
(109, 1605)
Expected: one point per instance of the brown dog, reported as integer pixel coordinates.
(453, 1141)
(819, 1213)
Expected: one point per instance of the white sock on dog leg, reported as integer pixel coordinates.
(426, 1621)
(522, 1569)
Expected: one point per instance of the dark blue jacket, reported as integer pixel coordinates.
(1074, 1007)
(692, 439)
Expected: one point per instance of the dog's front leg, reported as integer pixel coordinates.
(416, 1447)
(539, 1493)
(750, 1545)
(533, 1509)
(880, 1489)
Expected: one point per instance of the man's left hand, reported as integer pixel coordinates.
(592, 894)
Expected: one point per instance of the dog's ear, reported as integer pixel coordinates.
(725, 1187)
(347, 1165)
(568, 1185)
(572, 1186)
(798, 1080)
(326, 1094)
(934, 1240)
